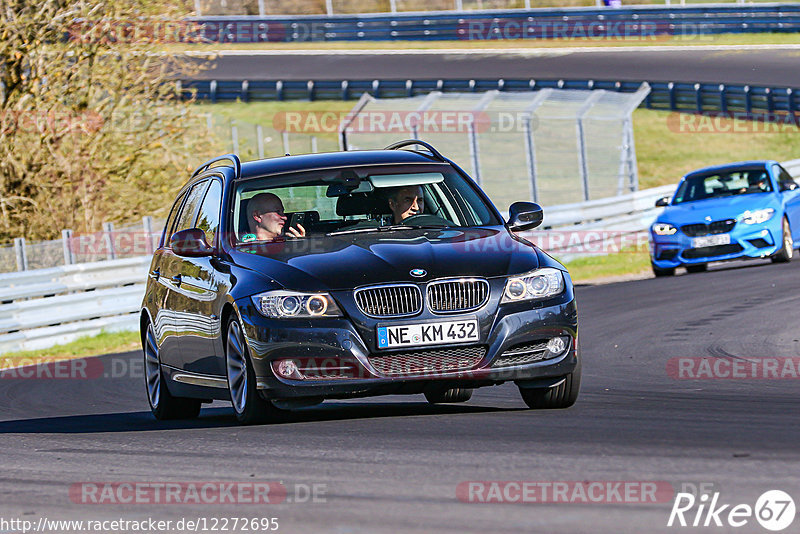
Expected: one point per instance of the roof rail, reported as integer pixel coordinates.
(410, 142)
(233, 158)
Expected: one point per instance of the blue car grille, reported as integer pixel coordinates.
(716, 227)
(710, 252)
(389, 301)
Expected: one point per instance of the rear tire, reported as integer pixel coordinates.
(163, 405)
(449, 395)
(697, 268)
(784, 255)
(563, 395)
(248, 405)
(658, 271)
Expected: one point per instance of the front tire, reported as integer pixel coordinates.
(659, 272)
(697, 268)
(563, 395)
(448, 395)
(163, 405)
(248, 405)
(784, 255)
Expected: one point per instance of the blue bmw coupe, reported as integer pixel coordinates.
(740, 210)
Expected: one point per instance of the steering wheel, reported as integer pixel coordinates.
(426, 219)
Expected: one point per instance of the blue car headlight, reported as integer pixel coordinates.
(281, 304)
(757, 216)
(538, 284)
(664, 229)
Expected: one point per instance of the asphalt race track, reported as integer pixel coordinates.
(764, 67)
(393, 464)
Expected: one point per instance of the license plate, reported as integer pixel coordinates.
(711, 240)
(417, 335)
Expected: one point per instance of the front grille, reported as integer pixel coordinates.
(389, 301)
(427, 362)
(716, 227)
(709, 252)
(524, 353)
(448, 296)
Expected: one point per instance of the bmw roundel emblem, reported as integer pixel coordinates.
(418, 273)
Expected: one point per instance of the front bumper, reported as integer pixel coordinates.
(337, 343)
(746, 241)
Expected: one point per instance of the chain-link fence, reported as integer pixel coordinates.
(131, 240)
(553, 146)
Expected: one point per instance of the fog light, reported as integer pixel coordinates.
(288, 369)
(557, 345)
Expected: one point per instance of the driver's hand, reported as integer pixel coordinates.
(296, 232)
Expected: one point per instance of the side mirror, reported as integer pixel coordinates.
(788, 186)
(190, 243)
(662, 202)
(524, 216)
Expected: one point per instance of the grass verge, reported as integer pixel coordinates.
(595, 268)
(104, 343)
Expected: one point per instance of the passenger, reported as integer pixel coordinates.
(266, 219)
(406, 202)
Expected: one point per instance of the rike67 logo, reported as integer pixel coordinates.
(774, 510)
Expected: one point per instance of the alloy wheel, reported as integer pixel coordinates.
(152, 366)
(236, 367)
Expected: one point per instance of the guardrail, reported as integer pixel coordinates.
(683, 97)
(45, 307)
(645, 22)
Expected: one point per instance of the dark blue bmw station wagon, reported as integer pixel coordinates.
(283, 282)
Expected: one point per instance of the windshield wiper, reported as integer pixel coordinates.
(389, 228)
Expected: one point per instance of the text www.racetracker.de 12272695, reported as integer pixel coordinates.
(149, 524)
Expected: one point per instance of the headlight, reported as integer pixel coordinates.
(538, 284)
(758, 216)
(664, 229)
(282, 304)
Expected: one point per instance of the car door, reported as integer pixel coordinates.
(158, 291)
(171, 267)
(790, 197)
(200, 296)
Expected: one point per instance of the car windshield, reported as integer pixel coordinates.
(737, 182)
(356, 201)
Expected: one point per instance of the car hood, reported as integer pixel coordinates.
(717, 208)
(353, 260)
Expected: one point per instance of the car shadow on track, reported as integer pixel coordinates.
(223, 417)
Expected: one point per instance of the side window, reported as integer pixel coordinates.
(186, 218)
(171, 219)
(208, 217)
(784, 178)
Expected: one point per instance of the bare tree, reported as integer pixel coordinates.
(92, 123)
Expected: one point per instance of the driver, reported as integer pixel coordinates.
(406, 202)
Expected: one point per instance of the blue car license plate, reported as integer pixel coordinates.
(418, 335)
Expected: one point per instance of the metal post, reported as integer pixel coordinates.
(527, 4)
(329, 7)
(147, 226)
(314, 147)
(260, 137)
(262, 9)
(459, 5)
(197, 10)
(285, 136)
(22, 256)
(530, 145)
(66, 242)
(393, 6)
(583, 162)
(474, 153)
(234, 137)
(108, 237)
(209, 123)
